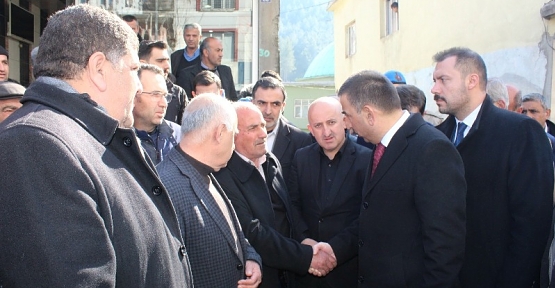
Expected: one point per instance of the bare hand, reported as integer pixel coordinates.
(253, 274)
(309, 242)
(323, 260)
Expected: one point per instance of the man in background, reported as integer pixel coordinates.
(190, 55)
(158, 136)
(156, 53)
(134, 24)
(4, 64)
(10, 96)
(211, 54)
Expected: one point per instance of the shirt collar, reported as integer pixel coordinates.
(471, 118)
(391, 132)
(191, 58)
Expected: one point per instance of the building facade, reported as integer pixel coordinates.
(514, 39)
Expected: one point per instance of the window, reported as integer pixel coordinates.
(301, 108)
(208, 5)
(228, 42)
(350, 40)
(391, 13)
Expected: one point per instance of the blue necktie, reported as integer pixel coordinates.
(460, 133)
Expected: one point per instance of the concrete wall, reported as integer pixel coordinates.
(510, 35)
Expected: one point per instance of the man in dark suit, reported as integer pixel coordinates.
(254, 184)
(284, 139)
(411, 225)
(219, 254)
(326, 188)
(211, 53)
(508, 170)
(190, 55)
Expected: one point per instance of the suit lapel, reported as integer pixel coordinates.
(396, 146)
(207, 201)
(282, 139)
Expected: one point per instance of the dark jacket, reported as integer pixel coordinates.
(288, 140)
(250, 196)
(412, 220)
(90, 209)
(168, 134)
(179, 62)
(324, 217)
(177, 105)
(509, 172)
(186, 76)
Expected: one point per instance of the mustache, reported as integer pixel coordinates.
(438, 97)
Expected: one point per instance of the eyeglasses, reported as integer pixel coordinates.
(159, 94)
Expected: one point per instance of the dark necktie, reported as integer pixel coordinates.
(460, 133)
(378, 153)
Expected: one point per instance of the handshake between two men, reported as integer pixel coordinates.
(323, 258)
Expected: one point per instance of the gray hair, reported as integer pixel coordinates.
(535, 97)
(72, 35)
(497, 90)
(193, 26)
(205, 112)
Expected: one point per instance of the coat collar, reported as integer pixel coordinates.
(398, 144)
(79, 107)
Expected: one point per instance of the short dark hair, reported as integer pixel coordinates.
(206, 78)
(269, 83)
(129, 18)
(467, 62)
(394, 5)
(370, 87)
(246, 91)
(411, 96)
(271, 73)
(149, 67)
(145, 48)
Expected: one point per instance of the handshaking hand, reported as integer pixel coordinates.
(323, 259)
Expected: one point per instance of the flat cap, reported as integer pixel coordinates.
(10, 90)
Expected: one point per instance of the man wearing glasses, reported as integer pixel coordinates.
(158, 136)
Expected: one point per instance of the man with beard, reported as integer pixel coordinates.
(509, 172)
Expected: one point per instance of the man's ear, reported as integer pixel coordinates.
(368, 114)
(96, 68)
(473, 81)
(218, 132)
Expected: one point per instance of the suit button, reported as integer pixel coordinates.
(365, 205)
(360, 243)
(320, 220)
(360, 279)
(239, 266)
(127, 142)
(156, 190)
(182, 251)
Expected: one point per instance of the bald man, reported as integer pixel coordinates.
(326, 187)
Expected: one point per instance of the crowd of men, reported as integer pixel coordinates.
(121, 171)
